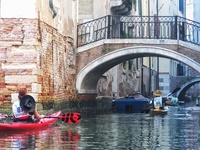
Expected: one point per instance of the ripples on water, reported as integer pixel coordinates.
(178, 130)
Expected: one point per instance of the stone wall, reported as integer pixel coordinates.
(119, 81)
(18, 56)
(35, 56)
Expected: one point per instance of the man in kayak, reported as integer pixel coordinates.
(25, 107)
(157, 100)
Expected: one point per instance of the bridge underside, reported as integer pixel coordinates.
(89, 75)
(181, 94)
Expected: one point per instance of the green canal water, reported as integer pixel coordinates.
(178, 130)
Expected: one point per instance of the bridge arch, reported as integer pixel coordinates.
(89, 75)
(186, 86)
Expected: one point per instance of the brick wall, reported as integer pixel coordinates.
(34, 55)
(58, 65)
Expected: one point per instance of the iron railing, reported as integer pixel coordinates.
(138, 27)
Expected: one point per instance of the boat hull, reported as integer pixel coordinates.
(130, 105)
(25, 126)
(158, 112)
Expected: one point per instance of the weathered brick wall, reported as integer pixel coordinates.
(17, 56)
(35, 56)
(58, 65)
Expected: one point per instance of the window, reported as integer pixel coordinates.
(181, 6)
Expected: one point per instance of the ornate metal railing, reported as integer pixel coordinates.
(138, 27)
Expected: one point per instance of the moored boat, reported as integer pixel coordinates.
(136, 103)
(26, 126)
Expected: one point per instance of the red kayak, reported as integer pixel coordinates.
(22, 126)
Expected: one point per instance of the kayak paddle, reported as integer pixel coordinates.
(70, 118)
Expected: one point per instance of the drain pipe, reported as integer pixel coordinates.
(52, 8)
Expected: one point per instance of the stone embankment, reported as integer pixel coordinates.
(99, 105)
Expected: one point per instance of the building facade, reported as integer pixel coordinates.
(167, 68)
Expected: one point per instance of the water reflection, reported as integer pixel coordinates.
(55, 137)
(178, 130)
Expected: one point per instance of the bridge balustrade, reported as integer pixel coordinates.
(138, 27)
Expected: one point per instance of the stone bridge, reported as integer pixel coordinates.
(186, 86)
(105, 42)
(95, 59)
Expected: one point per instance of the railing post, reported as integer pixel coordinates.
(183, 31)
(121, 31)
(108, 26)
(141, 29)
(176, 25)
(77, 35)
(149, 28)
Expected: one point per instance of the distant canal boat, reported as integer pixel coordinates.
(132, 104)
(158, 111)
